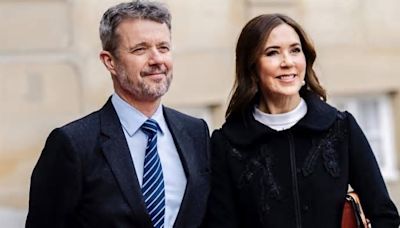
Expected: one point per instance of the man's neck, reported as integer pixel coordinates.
(147, 107)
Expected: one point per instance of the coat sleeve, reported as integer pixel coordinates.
(55, 184)
(366, 180)
(221, 209)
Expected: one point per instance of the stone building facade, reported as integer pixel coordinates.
(50, 72)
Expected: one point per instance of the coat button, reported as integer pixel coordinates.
(298, 170)
(305, 208)
(331, 164)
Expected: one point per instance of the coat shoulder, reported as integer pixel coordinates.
(82, 134)
(82, 128)
(186, 119)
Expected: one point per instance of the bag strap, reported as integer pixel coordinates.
(360, 216)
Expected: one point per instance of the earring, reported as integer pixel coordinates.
(303, 83)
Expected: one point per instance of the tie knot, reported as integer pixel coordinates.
(150, 127)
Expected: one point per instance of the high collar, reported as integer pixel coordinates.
(244, 129)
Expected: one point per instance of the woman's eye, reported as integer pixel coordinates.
(271, 53)
(296, 50)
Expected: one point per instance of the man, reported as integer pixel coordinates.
(134, 162)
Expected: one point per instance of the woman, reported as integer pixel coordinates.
(284, 157)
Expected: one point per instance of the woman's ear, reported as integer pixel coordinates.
(108, 60)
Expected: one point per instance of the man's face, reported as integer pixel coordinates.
(143, 61)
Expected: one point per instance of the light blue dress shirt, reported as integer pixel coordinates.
(174, 176)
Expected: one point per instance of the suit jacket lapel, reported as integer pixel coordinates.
(117, 153)
(185, 146)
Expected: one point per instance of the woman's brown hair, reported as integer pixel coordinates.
(249, 48)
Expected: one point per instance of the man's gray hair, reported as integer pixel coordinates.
(138, 9)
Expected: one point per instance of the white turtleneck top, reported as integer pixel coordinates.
(283, 121)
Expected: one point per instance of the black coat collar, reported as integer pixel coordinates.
(244, 129)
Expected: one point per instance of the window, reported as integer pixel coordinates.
(375, 116)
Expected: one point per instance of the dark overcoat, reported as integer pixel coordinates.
(296, 177)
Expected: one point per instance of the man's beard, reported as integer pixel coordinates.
(144, 90)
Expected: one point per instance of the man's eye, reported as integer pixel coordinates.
(138, 51)
(164, 49)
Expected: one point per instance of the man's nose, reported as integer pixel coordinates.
(155, 57)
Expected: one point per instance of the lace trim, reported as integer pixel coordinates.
(261, 162)
(326, 147)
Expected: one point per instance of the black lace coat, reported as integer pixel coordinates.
(297, 177)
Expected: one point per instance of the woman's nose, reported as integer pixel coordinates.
(287, 60)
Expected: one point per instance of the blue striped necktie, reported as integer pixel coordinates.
(153, 180)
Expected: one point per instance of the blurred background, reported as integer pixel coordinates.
(50, 72)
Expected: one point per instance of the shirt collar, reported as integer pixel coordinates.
(132, 119)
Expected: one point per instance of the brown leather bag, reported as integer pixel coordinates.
(353, 215)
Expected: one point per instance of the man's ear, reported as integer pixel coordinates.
(108, 60)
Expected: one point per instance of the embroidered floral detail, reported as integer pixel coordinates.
(326, 146)
(235, 153)
(261, 164)
(329, 156)
(309, 163)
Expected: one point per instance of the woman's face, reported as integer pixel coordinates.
(282, 64)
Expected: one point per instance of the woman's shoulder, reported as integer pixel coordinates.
(242, 130)
(217, 134)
